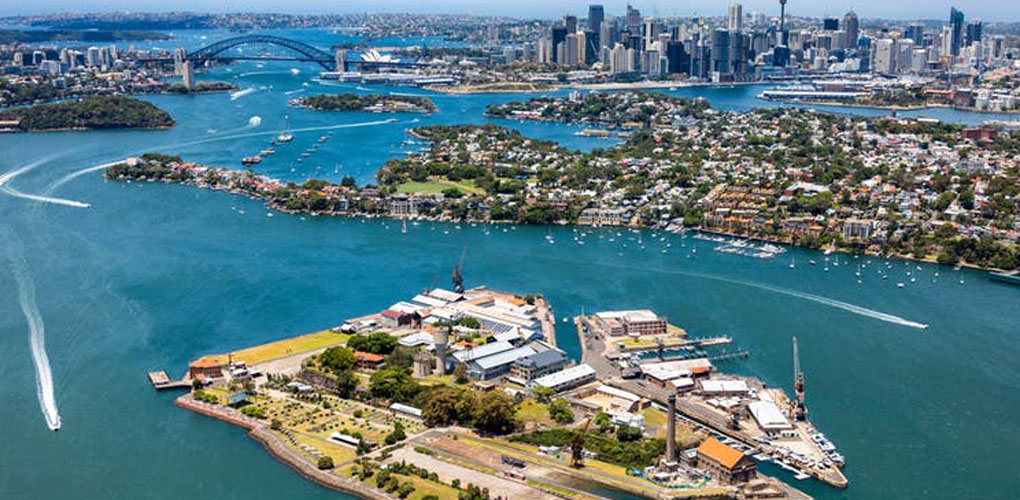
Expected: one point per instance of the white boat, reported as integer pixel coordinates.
(403, 229)
(285, 136)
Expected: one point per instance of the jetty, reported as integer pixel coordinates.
(161, 381)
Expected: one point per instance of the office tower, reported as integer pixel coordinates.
(904, 55)
(618, 59)
(852, 26)
(885, 56)
(92, 57)
(607, 35)
(651, 31)
(830, 24)
(783, 40)
(582, 47)
(720, 51)
(679, 61)
(915, 32)
(559, 38)
(956, 26)
(570, 22)
(545, 51)
(570, 50)
(633, 19)
(188, 75)
(973, 34)
(596, 14)
(736, 17)
(737, 56)
(38, 57)
(509, 55)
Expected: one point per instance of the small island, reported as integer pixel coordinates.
(200, 88)
(377, 103)
(88, 114)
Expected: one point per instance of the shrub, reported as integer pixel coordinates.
(325, 463)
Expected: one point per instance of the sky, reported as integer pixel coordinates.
(987, 10)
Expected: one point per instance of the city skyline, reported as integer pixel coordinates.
(869, 9)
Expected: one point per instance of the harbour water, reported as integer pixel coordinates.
(151, 276)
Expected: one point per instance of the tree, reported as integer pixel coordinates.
(496, 414)
(603, 422)
(544, 394)
(460, 374)
(397, 434)
(441, 408)
(325, 463)
(346, 384)
(401, 357)
(348, 181)
(627, 433)
(338, 359)
(375, 343)
(393, 383)
(560, 412)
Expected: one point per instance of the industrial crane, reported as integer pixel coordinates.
(799, 411)
(577, 445)
(458, 280)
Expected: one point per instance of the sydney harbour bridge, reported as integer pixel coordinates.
(296, 51)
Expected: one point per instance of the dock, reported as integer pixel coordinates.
(161, 381)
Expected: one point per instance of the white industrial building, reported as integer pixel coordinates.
(570, 378)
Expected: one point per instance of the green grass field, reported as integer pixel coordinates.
(438, 185)
(285, 347)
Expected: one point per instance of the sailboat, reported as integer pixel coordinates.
(285, 136)
(793, 262)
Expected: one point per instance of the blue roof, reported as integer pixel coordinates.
(542, 359)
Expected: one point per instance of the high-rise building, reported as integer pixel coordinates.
(915, 32)
(736, 17)
(852, 26)
(885, 56)
(582, 47)
(559, 38)
(973, 34)
(596, 14)
(607, 35)
(571, 50)
(720, 51)
(678, 59)
(633, 19)
(830, 24)
(570, 22)
(618, 59)
(93, 57)
(956, 25)
(651, 31)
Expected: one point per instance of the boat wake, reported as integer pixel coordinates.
(838, 304)
(37, 332)
(6, 178)
(241, 93)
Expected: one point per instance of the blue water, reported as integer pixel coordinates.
(152, 276)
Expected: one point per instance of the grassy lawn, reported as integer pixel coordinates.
(338, 453)
(421, 187)
(438, 184)
(284, 348)
(533, 411)
(422, 487)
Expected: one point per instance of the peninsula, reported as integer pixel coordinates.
(87, 114)
(370, 102)
(784, 175)
(407, 403)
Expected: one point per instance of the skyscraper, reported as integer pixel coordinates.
(633, 19)
(830, 24)
(852, 27)
(559, 37)
(973, 34)
(596, 14)
(956, 27)
(570, 22)
(736, 17)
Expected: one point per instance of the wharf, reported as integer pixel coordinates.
(548, 320)
(160, 381)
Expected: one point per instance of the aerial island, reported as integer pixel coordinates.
(101, 112)
(893, 186)
(378, 103)
(463, 394)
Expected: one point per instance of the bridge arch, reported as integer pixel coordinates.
(308, 52)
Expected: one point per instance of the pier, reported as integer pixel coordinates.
(161, 381)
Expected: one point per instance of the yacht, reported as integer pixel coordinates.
(285, 136)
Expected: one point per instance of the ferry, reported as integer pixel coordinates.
(1013, 278)
(251, 160)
